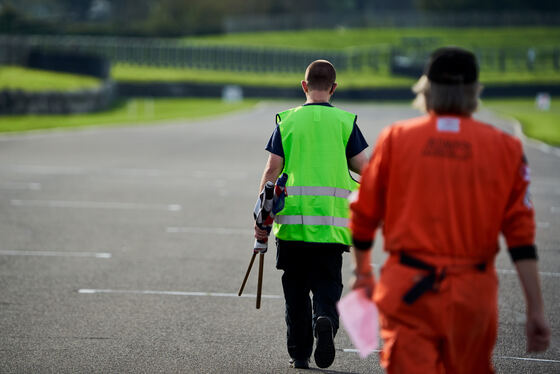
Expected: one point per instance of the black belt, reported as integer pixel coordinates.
(431, 281)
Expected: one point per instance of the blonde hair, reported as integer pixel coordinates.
(459, 99)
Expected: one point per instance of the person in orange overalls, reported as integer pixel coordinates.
(442, 187)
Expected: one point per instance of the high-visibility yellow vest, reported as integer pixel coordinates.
(314, 139)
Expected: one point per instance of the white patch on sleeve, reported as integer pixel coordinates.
(527, 200)
(526, 172)
(353, 197)
(448, 124)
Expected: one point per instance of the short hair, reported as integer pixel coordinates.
(320, 75)
(458, 99)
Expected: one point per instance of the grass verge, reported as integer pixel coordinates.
(543, 39)
(346, 80)
(542, 125)
(134, 111)
(537, 124)
(342, 38)
(33, 80)
(136, 73)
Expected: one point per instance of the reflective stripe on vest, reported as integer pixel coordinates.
(318, 191)
(312, 220)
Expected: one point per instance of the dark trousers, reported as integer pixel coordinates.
(309, 268)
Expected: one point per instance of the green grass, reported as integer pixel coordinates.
(134, 111)
(336, 39)
(362, 79)
(382, 39)
(134, 73)
(15, 77)
(494, 37)
(520, 77)
(538, 124)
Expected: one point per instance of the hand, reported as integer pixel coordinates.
(365, 281)
(260, 234)
(538, 333)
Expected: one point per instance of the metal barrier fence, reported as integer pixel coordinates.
(174, 53)
(169, 53)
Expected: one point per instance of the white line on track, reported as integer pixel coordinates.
(543, 225)
(124, 172)
(209, 174)
(77, 170)
(208, 230)
(351, 350)
(171, 293)
(94, 205)
(45, 170)
(55, 253)
(528, 359)
(20, 186)
(542, 273)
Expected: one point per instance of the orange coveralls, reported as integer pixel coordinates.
(442, 188)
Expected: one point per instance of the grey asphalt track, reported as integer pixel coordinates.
(123, 250)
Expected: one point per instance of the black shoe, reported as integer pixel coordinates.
(324, 351)
(299, 364)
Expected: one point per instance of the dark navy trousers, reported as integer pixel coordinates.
(309, 268)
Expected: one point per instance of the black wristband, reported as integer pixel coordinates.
(362, 245)
(524, 252)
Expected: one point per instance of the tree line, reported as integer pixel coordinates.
(194, 17)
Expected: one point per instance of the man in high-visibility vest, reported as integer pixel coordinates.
(315, 144)
(443, 186)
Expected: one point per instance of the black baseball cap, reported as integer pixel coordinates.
(452, 65)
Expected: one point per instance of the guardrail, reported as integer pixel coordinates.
(171, 53)
(175, 53)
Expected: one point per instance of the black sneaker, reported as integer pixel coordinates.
(299, 364)
(324, 351)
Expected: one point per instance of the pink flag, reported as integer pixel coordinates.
(359, 317)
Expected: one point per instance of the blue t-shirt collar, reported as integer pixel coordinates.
(323, 104)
